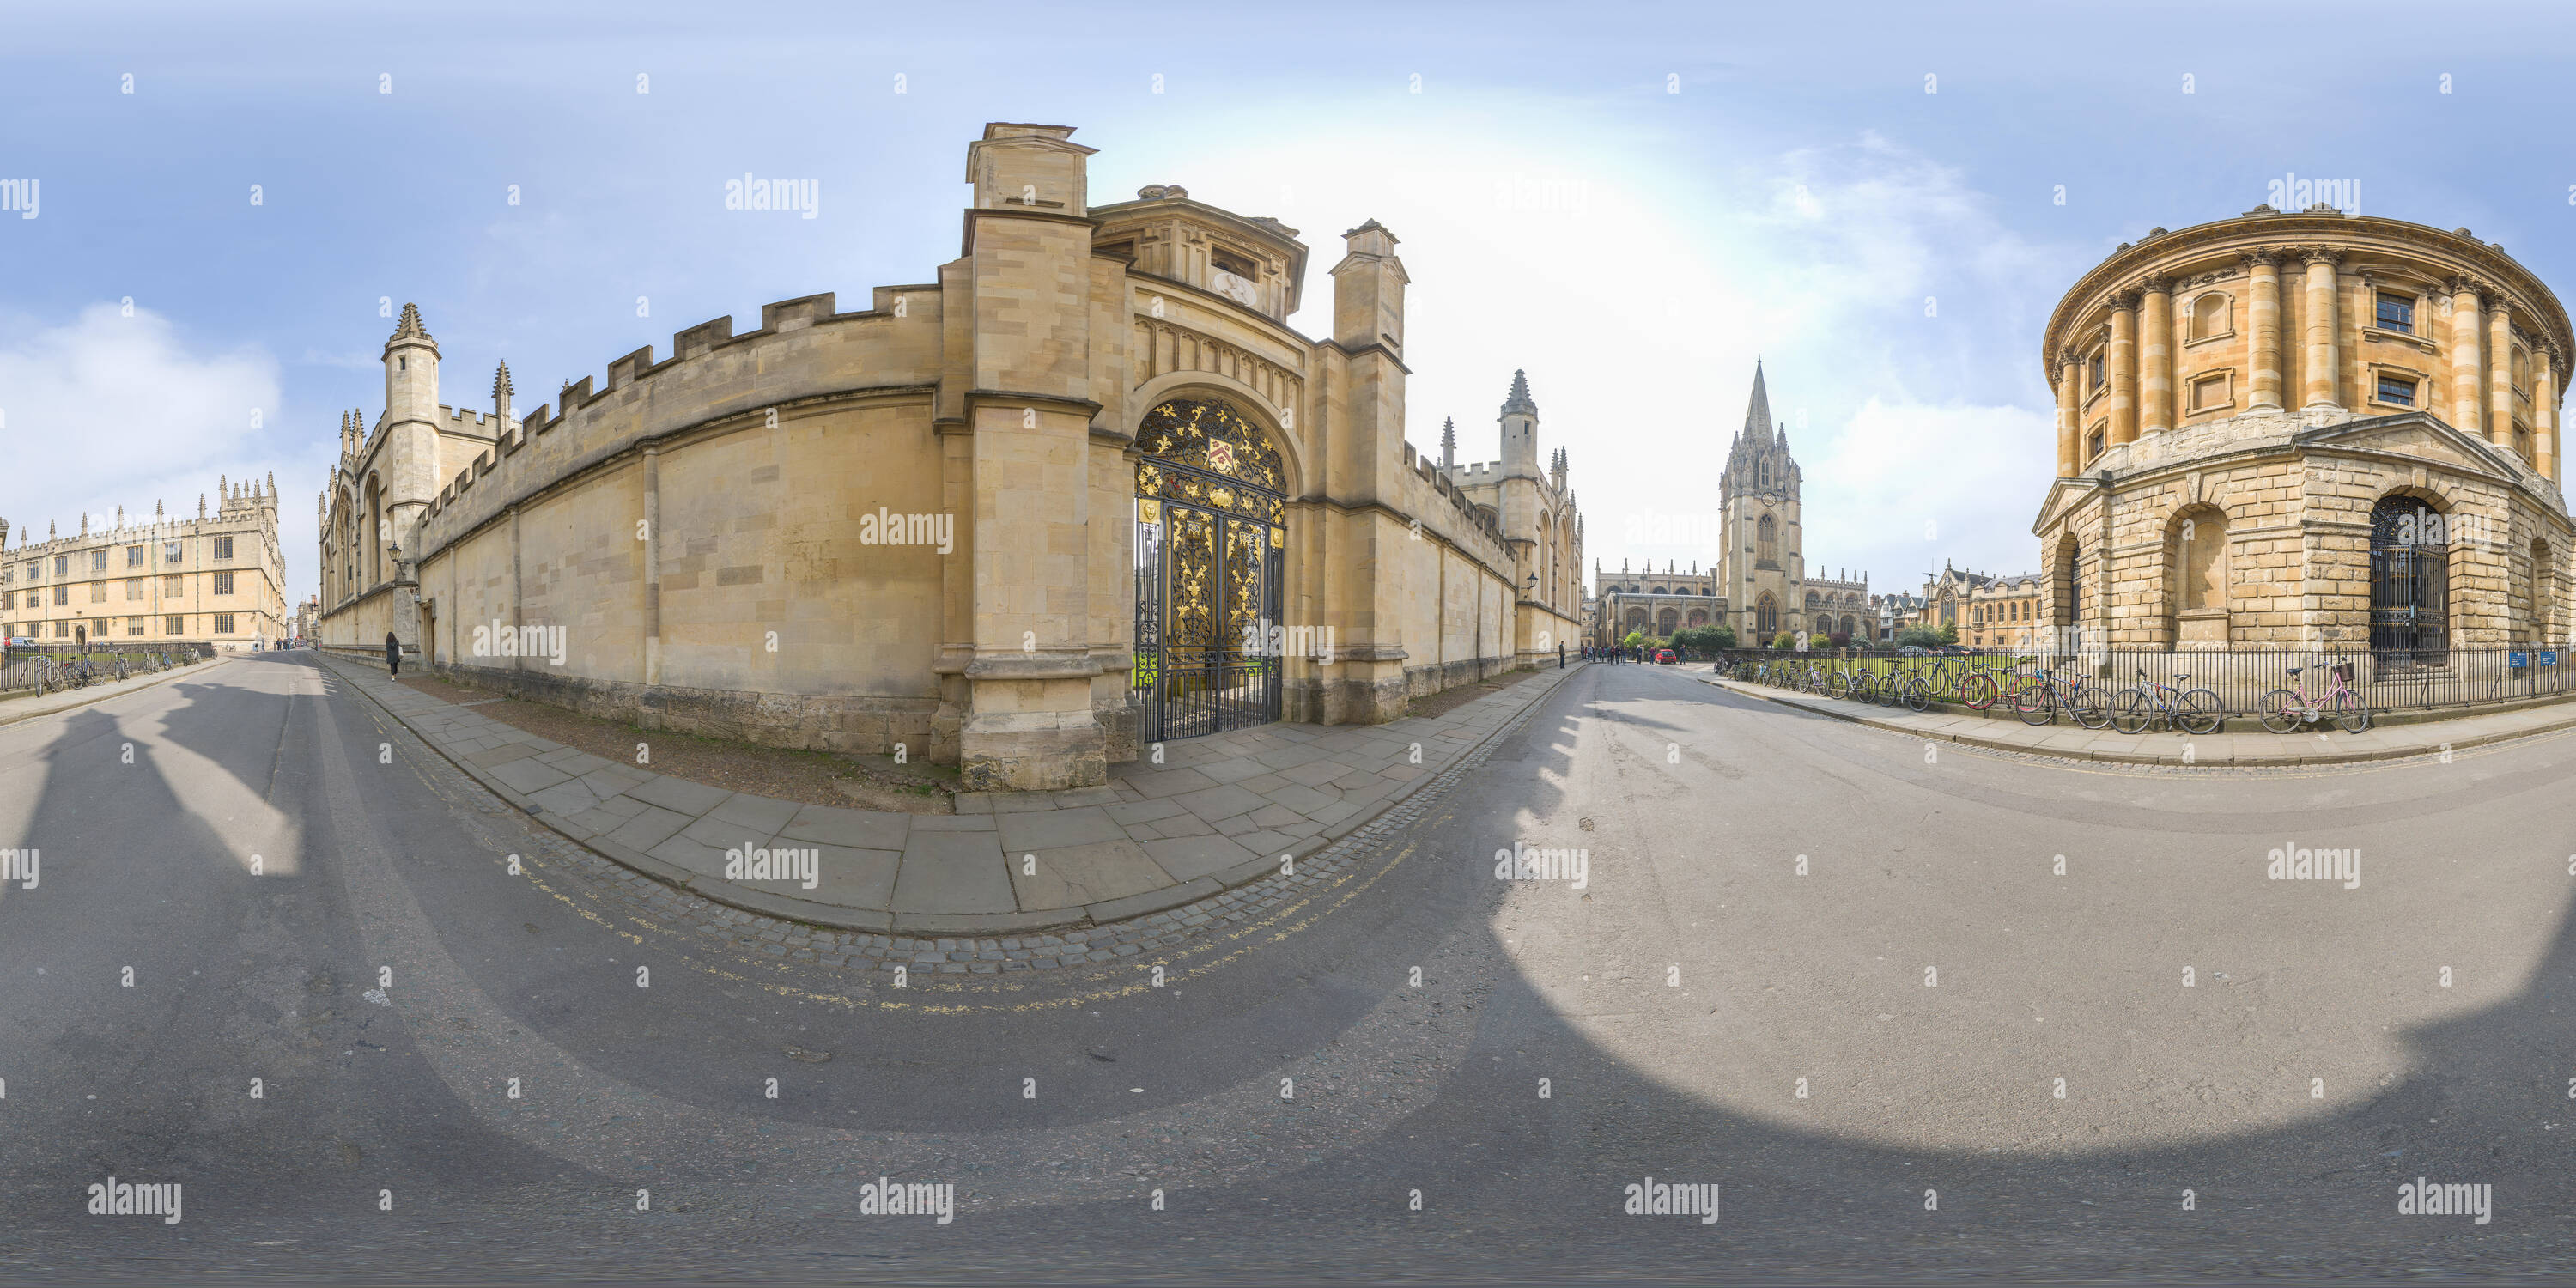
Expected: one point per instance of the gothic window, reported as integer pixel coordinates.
(1766, 617)
(1766, 541)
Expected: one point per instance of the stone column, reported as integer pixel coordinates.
(2544, 409)
(2155, 353)
(2069, 452)
(2318, 366)
(2500, 373)
(2468, 373)
(2124, 367)
(2263, 327)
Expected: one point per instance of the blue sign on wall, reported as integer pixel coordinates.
(2517, 660)
(2549, 659)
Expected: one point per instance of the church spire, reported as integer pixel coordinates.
(1519, 402)
(1757, 413)
(1448, 442)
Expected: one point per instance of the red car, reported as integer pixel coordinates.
(1666, 657)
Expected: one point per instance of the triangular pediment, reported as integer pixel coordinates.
(2421, 435)
(2063, 495)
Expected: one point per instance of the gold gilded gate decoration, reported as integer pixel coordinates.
(1211, 528)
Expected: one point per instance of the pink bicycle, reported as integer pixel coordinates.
(2285, 710)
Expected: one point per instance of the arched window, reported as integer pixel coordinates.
(1766, 615)
(1666, 621)
(2210, 316)
(1766, 542)
(1813, 601)
(2521, 370)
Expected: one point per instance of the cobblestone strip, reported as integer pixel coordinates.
(878, 955)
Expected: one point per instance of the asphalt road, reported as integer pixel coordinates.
(306, 896)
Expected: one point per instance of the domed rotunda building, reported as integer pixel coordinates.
(2308, 430)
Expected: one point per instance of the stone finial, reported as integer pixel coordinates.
(410, 323)
(501, 389)
(1519, 402)
(201, 505)
(272, 485)
(1448, 441)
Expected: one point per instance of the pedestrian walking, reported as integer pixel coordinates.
(393, 655)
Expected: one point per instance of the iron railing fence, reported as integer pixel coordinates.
(2390, 680)
(49, 666)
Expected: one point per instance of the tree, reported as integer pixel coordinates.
(1918, 637)
(1704, 641)
(1949, 632)
(1784, 640)
(1636, 639)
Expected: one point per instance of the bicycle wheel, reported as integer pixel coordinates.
(1838, 684)
(2037, 705)
(2132, 712)
(2092, 708)
(2351, 711)
(1918, 695)
(2198, 711)
(1978, 690)
(2280, 711)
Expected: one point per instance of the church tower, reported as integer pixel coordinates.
(1762, 565)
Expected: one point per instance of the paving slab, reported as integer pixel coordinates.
(1089, 825)
(565, 798)
(679, 794)
(527, 775)
(853, 828)
(764, 814)
(1197, 856)
(1081, 874)
(953, 872)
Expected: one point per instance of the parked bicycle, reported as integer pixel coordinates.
(2041, 700)
(2285, 710)
(2190, 710)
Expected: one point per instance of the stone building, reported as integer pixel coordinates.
(1083, 490)
(2307, 429)
(219, 578)
(1657, 603)
(1762, 565)
(1537, 513)
(1989, 611)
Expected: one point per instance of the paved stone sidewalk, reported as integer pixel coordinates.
(1218, 812)
(2164, 747)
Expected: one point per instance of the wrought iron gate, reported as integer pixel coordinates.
(2410, 572)
(1208, 560)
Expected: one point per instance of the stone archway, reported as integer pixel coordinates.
(2410, 574)
(1211, 538)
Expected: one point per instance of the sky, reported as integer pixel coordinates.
(1632, 203)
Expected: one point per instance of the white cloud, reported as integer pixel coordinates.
(1637, 277)
(1929, 483)
(110, 410)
